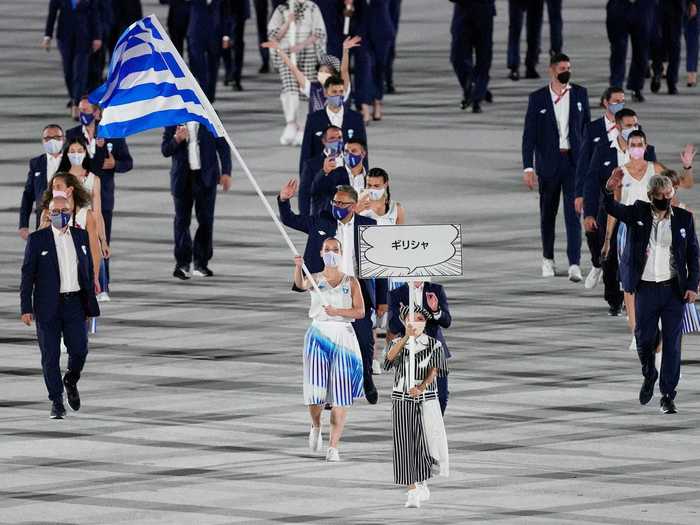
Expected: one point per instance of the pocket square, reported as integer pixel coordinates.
(351, 132)
(37, 173)
(321, 232)
(606, 163)
(580, 106)
(683, 232)
(84, 249)
(543, 111)
(596, 139)
(44, 252)
(319, 133)
(640, 223)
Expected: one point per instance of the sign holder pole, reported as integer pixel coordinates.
(411, 339)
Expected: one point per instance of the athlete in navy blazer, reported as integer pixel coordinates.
(433, 327)
(374, 291)
(33, 192)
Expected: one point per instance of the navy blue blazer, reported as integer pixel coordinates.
(82, 22)
(41, 280)
(684, 244)
(209, 148)
(603, 162)
(323, 187)
(321, 227)
(433, 328)
(541, 134)
(307, 204)
(316, 124)
(594, 133)
(33, 192)
(209, 21)
(122, 164)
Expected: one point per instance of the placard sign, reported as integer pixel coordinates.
(410, 250)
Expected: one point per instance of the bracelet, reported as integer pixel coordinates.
(688, 167)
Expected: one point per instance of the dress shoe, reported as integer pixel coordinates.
(264, 69)
(531, 73)
(655, 83)
(637, 96)
(672, 89)
(72, 393)
(182, 273)
(237, 86)
(390, 89)
(371, 393)
(57, 410)
(476, 107)
(647, 390)
(667, 405)
(514, 75)
(488, 97)
(614, 311)
(202, 271)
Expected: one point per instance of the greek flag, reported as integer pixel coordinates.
(149, 86)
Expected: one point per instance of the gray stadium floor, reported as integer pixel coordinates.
(192, 408)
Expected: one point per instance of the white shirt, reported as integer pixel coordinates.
(623, 157)
(67, 260)
(561, 113)
(346, 234)
(90, 143)
(659, 265)
(193, 146)
(610, 128)
(418, 295)
(52, 164)
(336, 118)
(356, 181)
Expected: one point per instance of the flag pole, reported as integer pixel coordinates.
(214, 117)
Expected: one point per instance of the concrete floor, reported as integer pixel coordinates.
(192, 409)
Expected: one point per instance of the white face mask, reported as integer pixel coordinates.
(331, 259)
(53, 146)
(76, 159)
(376, 194)
(322, 77)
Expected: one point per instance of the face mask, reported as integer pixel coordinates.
(335, 148)
(626, 132)
(322, 77)
(335, 101)
(331, 259)
(637, 153)
(418, 326)
(352, 160)
(86, 118)
(614, 108)
(376, 194)
(564, 77)
(339, 213)
(76, 159)
(661, 204)
(61, 220)
(53, 146)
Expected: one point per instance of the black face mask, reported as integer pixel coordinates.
(661, 204)
(564, 77)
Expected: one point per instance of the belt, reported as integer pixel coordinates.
(564, 151)
(662, 283)
(65, 295)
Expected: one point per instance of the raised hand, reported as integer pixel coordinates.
(615, 180)
(351, 41)
(289, 190)
(688, 155)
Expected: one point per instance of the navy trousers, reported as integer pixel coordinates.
(203, 199)
(595, 240)
(654, 301)
(670, 25)
(395, 9)
(75, 56)
(365, 338)
(551, 190)
(104, 267)
(443, 393)
(205, 55)
(691, 44)
(625, 21)
(556, 25)
(233, 56)
(69, 323)
(472, 34)
(261, 19)
(516, 12)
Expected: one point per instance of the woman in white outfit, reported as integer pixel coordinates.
(308, 45)
(333, 372)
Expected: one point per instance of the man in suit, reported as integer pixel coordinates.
(606, 157)
(516, 11)
(194, 175)
(125, 13)
(178, 20)
(57, 291)
(664, 265)
(432, 297)
(556, 26)
(78, 34)
(334, 114)
(108, 156)
(629, 20)
(41, 169)
(332, 140)
(344, 170)
(472, 34)
(669, 24)
(234, 46)
(557, 115)
(395, 11)
(97, 60)
(208, 24)
(342, 223)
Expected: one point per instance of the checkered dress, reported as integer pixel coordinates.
(309, 22)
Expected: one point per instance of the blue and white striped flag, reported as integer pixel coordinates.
(150, 86)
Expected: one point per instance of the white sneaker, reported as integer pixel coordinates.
(633, 344)
(575, 273)
(423, 490)
(298, 137)
(413, 500)
(593, 278)
(332, 454)
(315, 439)
(103, 297)
(289, 134)
(548, 268)
(376, 368)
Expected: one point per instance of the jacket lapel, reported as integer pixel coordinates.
(79, 254)
(550, 109)
(52, 251)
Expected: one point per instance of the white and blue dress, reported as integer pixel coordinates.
(333, 370)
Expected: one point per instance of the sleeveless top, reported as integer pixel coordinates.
(81, 218)
(635, 190)
(339, 297)
(388, 219)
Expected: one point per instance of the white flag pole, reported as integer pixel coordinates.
(214, 117)
(292, 32)
(411, 339)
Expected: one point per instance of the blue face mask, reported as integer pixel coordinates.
(340, 213)
(334, 148)
(626, 133)
(352, 160)
(60, 220)
(334, 100)
(614, 108)
(86, 118)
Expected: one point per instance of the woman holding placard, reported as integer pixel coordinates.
(333, 370)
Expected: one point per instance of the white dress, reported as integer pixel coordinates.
(333, 371)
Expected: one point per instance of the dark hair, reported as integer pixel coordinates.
(65, 161)
(624, 112)
(340, 244)
(637, 133)
(325, 132)
(80, 196)
(609, 92)
(380, 173)
(333, 80)
(343, 188)
(558, 57)
(49, 126)
(357, 141)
